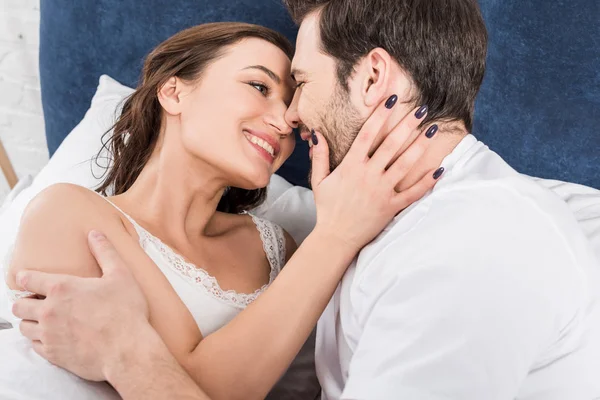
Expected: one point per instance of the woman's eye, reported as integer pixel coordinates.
(263, 89)
(299, 84)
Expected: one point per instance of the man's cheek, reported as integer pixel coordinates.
(307, 110)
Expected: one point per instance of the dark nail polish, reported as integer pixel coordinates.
(438, 173)
(391, 102)
(314, 137)
(431, 131)
(421, 112)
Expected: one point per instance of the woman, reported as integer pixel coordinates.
(193, 150)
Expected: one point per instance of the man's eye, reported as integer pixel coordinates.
(263, 89)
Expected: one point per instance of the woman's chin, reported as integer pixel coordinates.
(257, 181)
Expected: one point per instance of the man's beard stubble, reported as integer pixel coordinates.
(340, 124)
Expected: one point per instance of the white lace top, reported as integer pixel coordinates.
(210, 305)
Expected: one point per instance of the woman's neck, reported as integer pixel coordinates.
(175, 193)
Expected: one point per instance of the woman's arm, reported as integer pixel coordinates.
(53, 238)
(245, 358)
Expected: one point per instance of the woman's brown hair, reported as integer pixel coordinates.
(185, 55)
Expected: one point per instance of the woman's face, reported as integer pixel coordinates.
(232, 118)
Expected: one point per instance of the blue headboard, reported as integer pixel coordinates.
(539, 107)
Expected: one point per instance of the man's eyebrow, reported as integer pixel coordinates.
(267, 71)
(297, 72)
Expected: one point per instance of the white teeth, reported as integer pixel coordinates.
(262, 144)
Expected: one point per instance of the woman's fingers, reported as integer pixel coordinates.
(320, 159)
(417, 191)
(399, 168)
(359, 151)
(396, 140)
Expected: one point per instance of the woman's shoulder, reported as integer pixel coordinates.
(63, 196)
(66, 202)
(52, 235)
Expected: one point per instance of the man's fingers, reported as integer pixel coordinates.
(39, 348)
(397, 139)
(105, 253)
(30, 329)
(28, 309)
(320, 160)
(417, 191)
(370, 130)
(407, 160)
(38, 282)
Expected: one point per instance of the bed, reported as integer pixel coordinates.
(538, 107)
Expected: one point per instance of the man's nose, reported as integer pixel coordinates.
(291, 115)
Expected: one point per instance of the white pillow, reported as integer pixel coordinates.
(21, 185)
(73, 162)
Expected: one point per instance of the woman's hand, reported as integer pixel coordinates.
(358, 199)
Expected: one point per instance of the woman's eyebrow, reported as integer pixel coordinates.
(267, 71)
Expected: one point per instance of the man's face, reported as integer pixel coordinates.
(320, 102)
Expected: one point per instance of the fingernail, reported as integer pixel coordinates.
(314, 137)
(391, 102)
(421, 112)
(438, 173)
(97, 235)
(431, 131)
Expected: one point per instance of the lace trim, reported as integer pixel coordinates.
(269, 234)
(15, 295)
(199, 276)
(273, 243)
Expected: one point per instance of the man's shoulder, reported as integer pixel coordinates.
(464, 207)
(506, 226)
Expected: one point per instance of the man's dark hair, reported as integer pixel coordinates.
(441, 44)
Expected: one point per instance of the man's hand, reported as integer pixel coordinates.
(84, 324)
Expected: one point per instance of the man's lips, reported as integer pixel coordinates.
(305, 135)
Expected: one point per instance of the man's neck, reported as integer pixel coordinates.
(449, 135)
(443, 143)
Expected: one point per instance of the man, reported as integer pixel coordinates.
(484, 289)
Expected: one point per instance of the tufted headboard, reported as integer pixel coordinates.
(539, 107)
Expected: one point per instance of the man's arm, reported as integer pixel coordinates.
(147, 370)
(464, 305)
(121, 347)
(436, 335)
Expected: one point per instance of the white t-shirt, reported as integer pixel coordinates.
(482, 290)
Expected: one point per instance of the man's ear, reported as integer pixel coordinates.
(169, 96)
(377, 68)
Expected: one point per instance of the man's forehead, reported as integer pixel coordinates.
(307, 42)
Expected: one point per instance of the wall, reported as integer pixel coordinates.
(21, 121)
